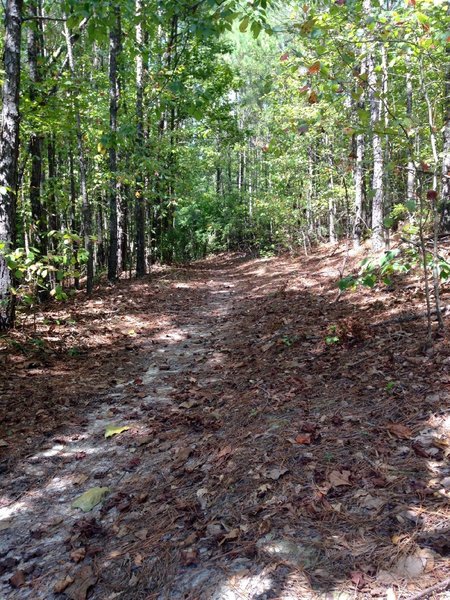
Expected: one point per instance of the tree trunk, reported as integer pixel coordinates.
(9, 150)
(86, 208)
(139, 193)
(53, 220)
(332, 235)
(446, 150)
(73, 219)
(377, 147)
(114, 49)
(411, 174)
(35, 44)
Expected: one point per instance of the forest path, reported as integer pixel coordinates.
(258, 461)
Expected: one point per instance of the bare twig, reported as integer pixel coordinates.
(439, 587)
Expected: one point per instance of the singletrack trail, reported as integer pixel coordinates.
(260, 459)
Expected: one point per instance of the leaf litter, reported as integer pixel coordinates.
(257, 459)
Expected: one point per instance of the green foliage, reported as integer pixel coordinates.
(249, 137)
(35, 272)
(332, 338)
(380, 270)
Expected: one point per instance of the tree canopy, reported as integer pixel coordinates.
(161, 131)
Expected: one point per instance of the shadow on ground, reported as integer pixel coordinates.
(280, 447)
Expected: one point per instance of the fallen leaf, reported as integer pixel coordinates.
(18, 579)
(303, 438)
(188, 404)
(399, 430)
(78, 554)
(3, 443)
(62, 584)
(141, 534)
(90, 499)
(312, 98)
(225, 451)
(366, 500)
(83, 581)
(181, 457)
(115, 430)
(233, 534)
(275, 474)
(337, 478)
(79, 479)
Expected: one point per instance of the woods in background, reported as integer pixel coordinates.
(160, 131)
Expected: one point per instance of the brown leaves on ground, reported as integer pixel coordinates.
(264, 435)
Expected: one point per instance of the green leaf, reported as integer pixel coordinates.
(90, 499)
(244, 25)
(115, 430)
(256, 29)
(364, 116)
(346, 282)
(369, 281)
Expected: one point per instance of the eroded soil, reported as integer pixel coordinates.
(282, 442)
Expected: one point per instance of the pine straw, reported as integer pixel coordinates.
(278, 378)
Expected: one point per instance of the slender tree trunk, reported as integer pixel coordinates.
(73, 216)
(35, 50)
(86, 208)
(446, 145)
(359, 190)
(411, 169)
(114, 49)
(310, 191)
(123, 231)
(139, 194)
(384, 118)
(101, 255)
(53, 220)
(9, 150)
(378, 162)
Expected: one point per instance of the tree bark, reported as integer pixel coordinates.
(114, 49)
(9, 150)
(35, 45)
(446, 147)
(139, 193)
(411, 175)
(378, 162)
(86, 208)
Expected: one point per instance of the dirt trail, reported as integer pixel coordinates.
(258, 462)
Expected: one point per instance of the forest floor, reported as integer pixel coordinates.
(281, 442)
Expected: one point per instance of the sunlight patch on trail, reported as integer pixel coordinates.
(244, 586)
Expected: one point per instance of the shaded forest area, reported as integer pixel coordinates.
(224, 254)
